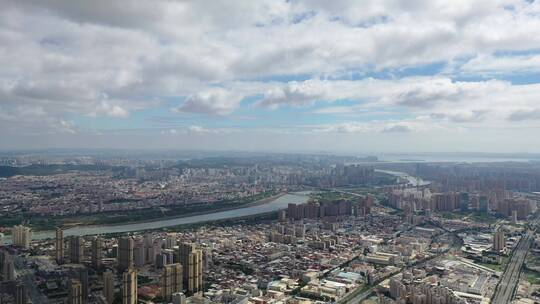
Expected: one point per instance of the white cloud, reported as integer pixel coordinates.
(203, 130)
(389, 126)
(61, 59)
(106, 108)
(216, 101)
(397, 128)
(427, 93)
(467, 104)
(24, 120)
(195, 128)
(490, 65)
(347, 127)
(294, 93)
(461, 116)
(68, 126)
(525, 114)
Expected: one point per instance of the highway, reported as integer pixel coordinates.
(504, 292)
(509, 280)
(359, 297)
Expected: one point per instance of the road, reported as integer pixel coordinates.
(509, 280)
(506, 288)
(360, 297)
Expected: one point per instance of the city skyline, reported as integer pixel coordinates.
(278, 76)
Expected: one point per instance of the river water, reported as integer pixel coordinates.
(277, 204)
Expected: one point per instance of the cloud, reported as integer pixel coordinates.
(521, 115)
(372, 127)
(397, 128)
(215, 101)
(108, 109)
(335, 110)
(492, 65)
(413, 92)
(461, 116)
(347, 127)
(294, 93)
(204, 130)
(194, 128)
(25, 120)
(427, 93)
(66, 59)
(68, 126)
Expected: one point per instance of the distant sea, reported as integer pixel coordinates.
(458, 157)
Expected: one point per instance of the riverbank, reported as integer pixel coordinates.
(152, 221)
(267, 205)
(252, 204)
(40, 223)
(249, 219)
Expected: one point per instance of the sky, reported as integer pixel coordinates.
(270, 75)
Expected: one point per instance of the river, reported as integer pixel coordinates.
(277, 204)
